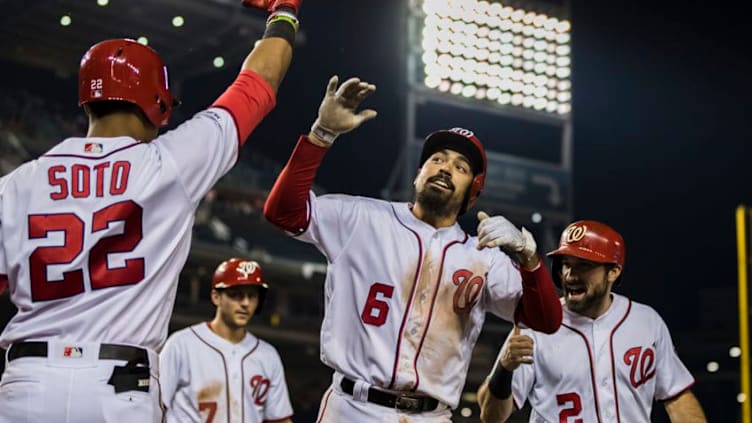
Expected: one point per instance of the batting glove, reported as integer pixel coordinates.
(337, 113)
(497, 231)
(272, 5)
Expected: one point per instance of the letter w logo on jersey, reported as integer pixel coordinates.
(259, 389)
(468, 290)
(642, 364)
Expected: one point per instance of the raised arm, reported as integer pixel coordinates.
(253, 93)
(286, 205)
(539, 308)
(271, 57)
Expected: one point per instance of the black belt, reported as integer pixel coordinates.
(402, 402)
(128, 353)
(134, 376)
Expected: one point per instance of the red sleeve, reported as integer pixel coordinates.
(539, 308)
(3, 283)
(287, 204)
(249, 99)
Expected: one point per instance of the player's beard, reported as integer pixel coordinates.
(592, 300)
(436, 202)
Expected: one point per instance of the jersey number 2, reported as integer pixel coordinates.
(375, 310)
(73, 230)
(571, 411)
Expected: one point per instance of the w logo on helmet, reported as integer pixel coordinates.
(462, 131)
(247, 268)
(576, 233)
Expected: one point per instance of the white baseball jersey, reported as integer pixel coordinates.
(608, 369)
(207, 379)
(93, 234)
(404, 301)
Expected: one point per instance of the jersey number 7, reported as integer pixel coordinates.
(73, 229)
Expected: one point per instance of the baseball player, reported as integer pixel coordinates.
(407, 289)
(93, 234)
(218, 372)
(611, 358)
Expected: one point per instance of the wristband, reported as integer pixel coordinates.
(324, 134)
(500, 382)
(282, 15)
(282, 25)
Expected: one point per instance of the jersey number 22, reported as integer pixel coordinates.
(73, 229)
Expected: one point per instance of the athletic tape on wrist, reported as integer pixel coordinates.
(500, 382)
(326, 135)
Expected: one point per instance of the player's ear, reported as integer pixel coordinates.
(614, 272)
(215, 297)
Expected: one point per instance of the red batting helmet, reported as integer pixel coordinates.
(465, 142)
(126, 70)
(589, 240)
(238, 272)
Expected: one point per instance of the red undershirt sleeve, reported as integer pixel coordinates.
(539, 308)
(287, 204)
(249, 99)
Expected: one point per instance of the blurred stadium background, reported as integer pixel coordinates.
(507, 70)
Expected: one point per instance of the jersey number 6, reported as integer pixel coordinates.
(375, 310)
(73, 229)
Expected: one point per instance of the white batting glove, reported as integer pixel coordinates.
(337, 111)
(497, 231)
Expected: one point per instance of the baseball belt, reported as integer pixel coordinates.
(134, 376)
(403, 402)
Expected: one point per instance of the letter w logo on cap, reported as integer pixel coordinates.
(576, 233)
(246, 268)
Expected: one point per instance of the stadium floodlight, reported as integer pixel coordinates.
(494, 52)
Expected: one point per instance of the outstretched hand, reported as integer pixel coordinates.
(337, 112)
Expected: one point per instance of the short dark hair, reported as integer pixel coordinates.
(99, 109)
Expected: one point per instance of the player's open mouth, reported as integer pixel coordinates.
(441, 183)
(575, 293)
